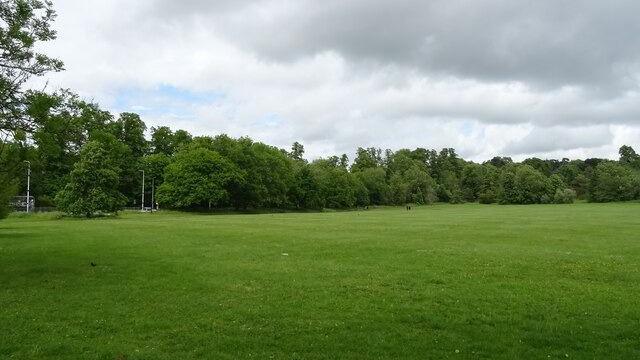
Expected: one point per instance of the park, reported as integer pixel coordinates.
(277, 179)
(439, 281)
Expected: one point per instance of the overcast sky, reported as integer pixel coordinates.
(546, 78)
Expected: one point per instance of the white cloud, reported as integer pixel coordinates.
(300, 71)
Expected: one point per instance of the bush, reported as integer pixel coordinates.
(7, 190)
(487, 197)
(564, 196)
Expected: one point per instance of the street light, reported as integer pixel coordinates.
(142, 206)
(28, 183)
(153, 193)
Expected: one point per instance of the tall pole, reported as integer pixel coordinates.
(28, 184)
(142, 205)
(153, 190)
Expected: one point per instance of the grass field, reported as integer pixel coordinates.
(464, 281)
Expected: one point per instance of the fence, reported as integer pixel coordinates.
(20, 203)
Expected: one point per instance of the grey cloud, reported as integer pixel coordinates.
(544, 140)
(342, 74)
(544, 43)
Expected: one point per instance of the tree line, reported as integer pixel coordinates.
(86, 161)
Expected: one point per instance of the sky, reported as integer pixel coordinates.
(545, 78)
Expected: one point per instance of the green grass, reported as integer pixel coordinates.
(466, 281)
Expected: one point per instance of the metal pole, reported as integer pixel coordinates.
(142, 205)
(153, 198)
(28, 184)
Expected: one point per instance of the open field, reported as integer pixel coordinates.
(464, 281)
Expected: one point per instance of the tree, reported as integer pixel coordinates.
(338, 187)
(180, 138)
(471, 181)
(499, 161)
(629, 157)
(9, 157)
(267, 172)
(367, 159)
(25, 23)
(489, 187)
(154, 166)
(374, 179)
(162, 140)
(344, 161)
(62, 124)
(197, 178)
(414, 185)
(305, 193)
(420, 186)
(522, 184)
(93, 183)
(297, 151)
(129, 130)
(613, 182)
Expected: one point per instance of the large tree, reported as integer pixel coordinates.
(23, 24)
(197, 177)
(613, 182)
(93, 183)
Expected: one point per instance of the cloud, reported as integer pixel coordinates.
(489, 77)
(543, 140)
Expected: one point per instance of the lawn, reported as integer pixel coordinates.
(443, 281)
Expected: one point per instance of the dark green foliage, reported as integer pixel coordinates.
(264, 176)
(63, 124)
(500, 161)
(93, 183)
(197, 178)
(522, 184)
(629, 157)
(413, 185)
(472, 180)
(374, 179)
(7, 191)
(370, 158)
(25, 25)
(165, 141)
(564, 196)
(129, 129)
(267, 172)
(297, 151)
(487, 197)
(305, 191)
(154, 166)
(338, 187)
(613, 182)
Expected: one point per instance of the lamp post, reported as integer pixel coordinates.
(142, 205)
(28, 184)
(153, 191)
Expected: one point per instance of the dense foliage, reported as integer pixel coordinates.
(24, 24)
(86, 161)
(93, 183)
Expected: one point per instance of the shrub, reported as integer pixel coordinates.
(613, 182)
(564, 196)
(487, 197)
